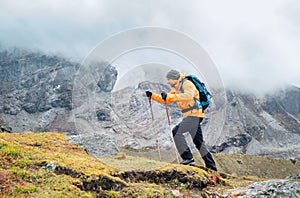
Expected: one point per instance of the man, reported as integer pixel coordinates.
(186, 95)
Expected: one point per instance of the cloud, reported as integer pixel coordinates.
(251, 42)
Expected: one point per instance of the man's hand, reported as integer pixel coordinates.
(164, 95)
(149, 94)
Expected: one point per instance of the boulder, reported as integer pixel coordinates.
(96, 144)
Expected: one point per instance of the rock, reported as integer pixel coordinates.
(241, 140)
(293, 160)
(176, 193)
(96, 144)
(239, 161)
(107, 78)
(103, 115)
(5, 129)
(33, 83)
(264, 119)
(4, 126)
(50, 166)
(294, 176)
(271, 188)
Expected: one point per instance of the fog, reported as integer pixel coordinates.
(254, 44)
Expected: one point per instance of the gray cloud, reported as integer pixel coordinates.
(255, 44)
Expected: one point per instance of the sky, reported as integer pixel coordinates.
(254, 44)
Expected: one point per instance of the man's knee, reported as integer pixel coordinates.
(174, 130)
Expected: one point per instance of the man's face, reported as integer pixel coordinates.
(171, 82)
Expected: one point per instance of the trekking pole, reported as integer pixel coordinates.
(149, 98)
(168, 115)
(152, 128)
(169, 122)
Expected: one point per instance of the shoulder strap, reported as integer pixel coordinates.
(180, 85)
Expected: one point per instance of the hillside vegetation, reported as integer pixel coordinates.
(46, 165)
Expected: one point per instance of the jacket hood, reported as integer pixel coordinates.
(182, 76)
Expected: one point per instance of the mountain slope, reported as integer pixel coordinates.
(245, 124)
(266, 125)
(46, 165)
(36, 91)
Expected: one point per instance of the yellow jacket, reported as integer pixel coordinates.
(184, 99)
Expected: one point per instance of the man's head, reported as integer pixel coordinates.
(172, 77)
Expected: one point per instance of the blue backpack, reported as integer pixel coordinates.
(205, 96)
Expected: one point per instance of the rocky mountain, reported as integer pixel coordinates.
(245, 124)
(48, 93)
(36, 91)
(266, 125)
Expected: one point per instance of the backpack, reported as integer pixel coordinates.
(205, 96)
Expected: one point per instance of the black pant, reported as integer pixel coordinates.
(192, 125)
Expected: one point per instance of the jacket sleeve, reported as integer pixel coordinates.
(171, 97)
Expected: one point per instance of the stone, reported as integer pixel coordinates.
(294, 176)
(50, 166)
(270, 188)
(96, 144)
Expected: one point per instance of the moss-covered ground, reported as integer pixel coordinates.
(46, 165)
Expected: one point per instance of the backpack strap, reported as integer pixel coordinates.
(180, 85)
(189, 109)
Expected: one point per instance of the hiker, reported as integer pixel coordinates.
(184, 92)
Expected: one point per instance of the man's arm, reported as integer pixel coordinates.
(188, 94)
(171, 97)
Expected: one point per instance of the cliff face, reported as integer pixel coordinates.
(42, 93)
(36, 91)
(267, 125)
(245, 124)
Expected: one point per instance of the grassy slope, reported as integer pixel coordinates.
(24, 155)
(77, 174)
(235, 164)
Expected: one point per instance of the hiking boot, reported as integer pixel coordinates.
(188, 162)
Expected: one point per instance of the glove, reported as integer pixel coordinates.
(164, 95)
(148, 94)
